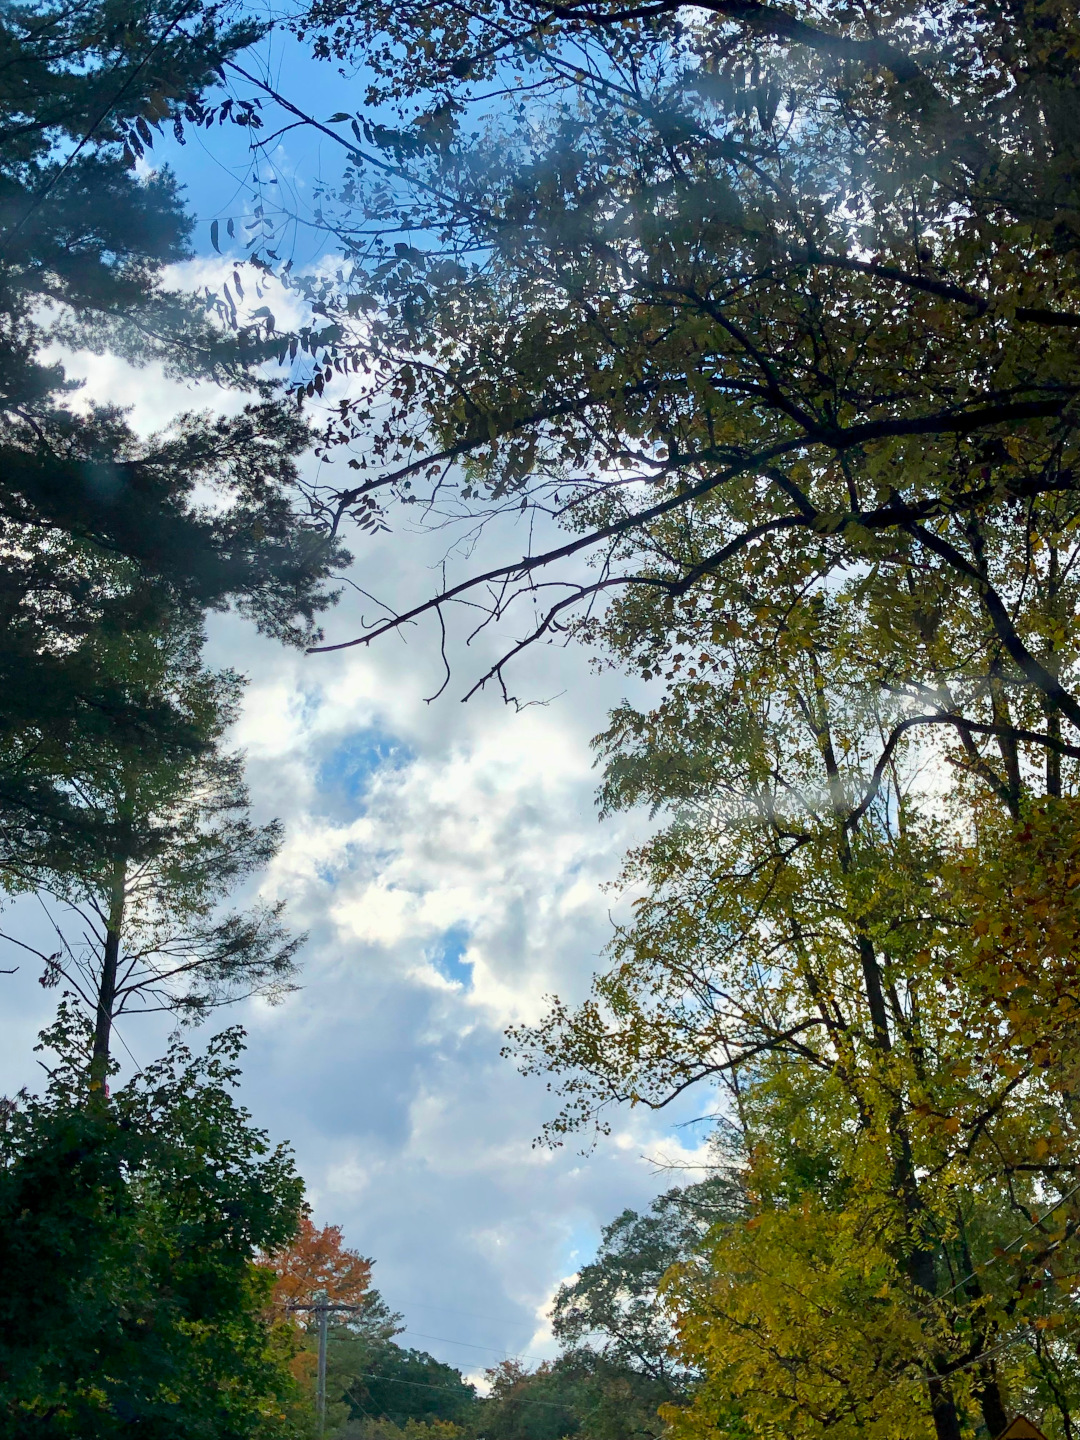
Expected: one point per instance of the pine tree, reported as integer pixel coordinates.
(103, 531)
(153, 842)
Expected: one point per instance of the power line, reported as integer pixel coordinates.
(1000, 1255)
(450, 1389)
(494, 1349)
(456, 1310)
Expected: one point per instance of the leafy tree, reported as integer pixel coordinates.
(612, 1305)
(318, 1261)
(582, 1393)
(808, 282)
(535, 1404)
(129, 1300)
(609, 1399)
(619, 1364)
(376, 1429)
(777, 316)
(585, 1392)
(384, 1381)
(613, 1376)
(878, 977)
(169, 838)
(372, 1383)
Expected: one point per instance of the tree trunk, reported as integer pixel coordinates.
(919, 1262)
(987, 1389)
(1053, 713)
(106, 996)
(946, 1420)
(989, 1393)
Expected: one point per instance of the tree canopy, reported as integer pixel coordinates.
(104, 531)
(158, 841)
(774, 317)
(85, 246)
(317, 1260)
(713, 287)
(612, 1308)
(129, 1300)
(771, 318)
(848, 948)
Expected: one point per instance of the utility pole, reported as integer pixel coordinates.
(321, 1309)
(320, 1384)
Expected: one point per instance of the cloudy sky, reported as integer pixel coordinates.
(448, 862)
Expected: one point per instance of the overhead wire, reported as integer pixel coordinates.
(469, 1345)
(450, 1389)
(1000, 1254)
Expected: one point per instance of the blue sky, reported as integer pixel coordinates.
(448, 862)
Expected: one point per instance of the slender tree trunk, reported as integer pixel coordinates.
(946, 1420)
(987, 1388)
(1010, 754)
(1053, 714)
(919, 1262)
(989, 1394)
(110, 963)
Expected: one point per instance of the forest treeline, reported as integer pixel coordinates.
(746, 335)
(616, 1366)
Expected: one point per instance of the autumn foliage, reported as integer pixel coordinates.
(318, 1260)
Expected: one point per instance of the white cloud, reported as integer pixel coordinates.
(478, 823)
(447, 861)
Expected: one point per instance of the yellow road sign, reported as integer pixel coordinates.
(1021, 1429)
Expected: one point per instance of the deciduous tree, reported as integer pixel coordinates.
(129, 1298)
(827, 928)
(612, 1306)
(319, 1261)
(807, 283)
